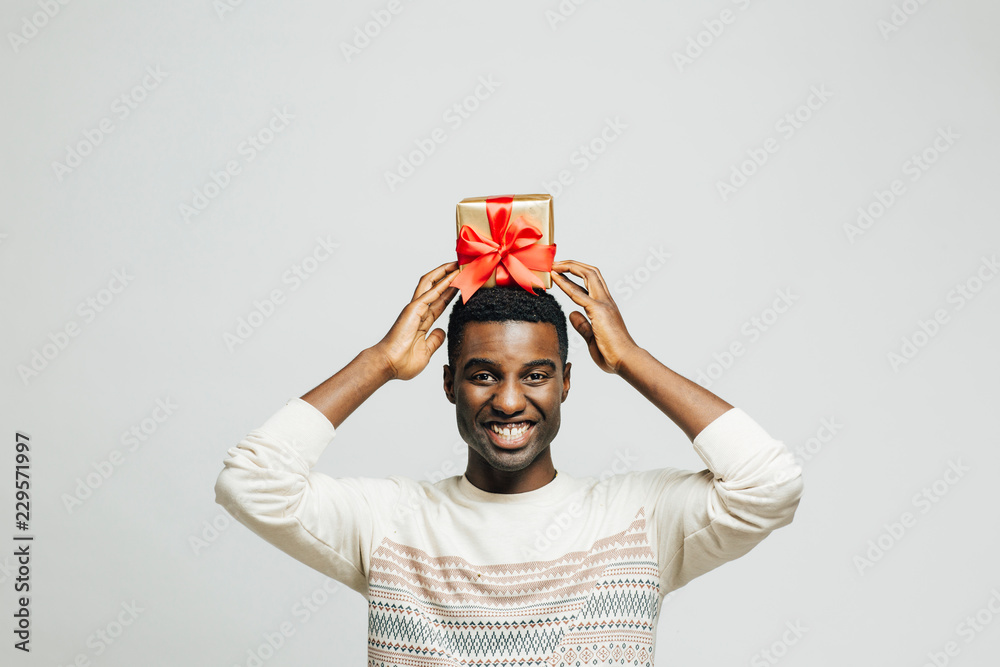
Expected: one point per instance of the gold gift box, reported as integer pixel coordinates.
(536, 209)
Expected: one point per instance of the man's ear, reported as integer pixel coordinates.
(565, 391)
(449, 383)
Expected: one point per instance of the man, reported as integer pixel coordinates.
(442, 564)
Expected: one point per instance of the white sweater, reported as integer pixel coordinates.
(444, 565)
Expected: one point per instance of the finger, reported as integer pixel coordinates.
(438, 288)
(577, 293)
(435, 309)
(428, 279)
(571, 267)
(571, 288)
(432, 302)
(592, 278)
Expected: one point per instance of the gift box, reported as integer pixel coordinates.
(504, 240)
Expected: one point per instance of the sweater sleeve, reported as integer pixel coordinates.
(268, 484)
(752, 486)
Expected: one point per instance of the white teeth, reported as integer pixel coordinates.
(510, 432)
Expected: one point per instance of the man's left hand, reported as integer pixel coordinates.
(603, 327)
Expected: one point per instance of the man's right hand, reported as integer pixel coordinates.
(407, 348)
(402, 354)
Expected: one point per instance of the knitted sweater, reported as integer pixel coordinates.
(568, 574)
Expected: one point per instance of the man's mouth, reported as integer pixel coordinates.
(509, 435)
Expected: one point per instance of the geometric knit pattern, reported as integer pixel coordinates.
(590, 607)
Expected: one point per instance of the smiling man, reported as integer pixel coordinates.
(441, 564)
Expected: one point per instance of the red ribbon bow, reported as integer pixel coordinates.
(512, 251)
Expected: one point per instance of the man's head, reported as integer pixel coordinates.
(506, 304)
(507, 365)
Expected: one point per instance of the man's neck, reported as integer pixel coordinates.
(492, 480)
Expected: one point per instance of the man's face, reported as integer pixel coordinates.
(508, 378)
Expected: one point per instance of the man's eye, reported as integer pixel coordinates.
(481, 376)
(536, 376)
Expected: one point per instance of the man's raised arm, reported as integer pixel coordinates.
(400, 355)
(752, 485)
(268, 482)
(689, 405)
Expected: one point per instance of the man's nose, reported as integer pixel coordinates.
(509, 399)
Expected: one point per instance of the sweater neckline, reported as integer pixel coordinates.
(550, 491)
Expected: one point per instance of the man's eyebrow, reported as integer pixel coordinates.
(478, 361)
(482, 361)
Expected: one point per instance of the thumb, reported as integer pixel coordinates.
(434, 340)
(581, 324)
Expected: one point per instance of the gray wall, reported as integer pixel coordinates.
(881, 373)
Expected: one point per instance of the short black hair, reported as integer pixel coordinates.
(505, 304)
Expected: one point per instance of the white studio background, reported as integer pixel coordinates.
(819, 175)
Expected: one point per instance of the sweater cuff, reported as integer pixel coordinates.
(301, 427)
(732, 441)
